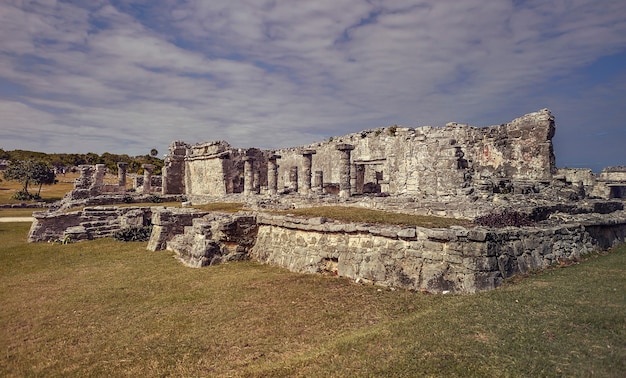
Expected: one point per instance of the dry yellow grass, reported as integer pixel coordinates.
(107, 308)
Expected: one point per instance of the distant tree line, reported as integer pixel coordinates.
(67, 161)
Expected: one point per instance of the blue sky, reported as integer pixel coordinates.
(128, 76)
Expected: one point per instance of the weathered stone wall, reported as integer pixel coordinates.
(449, 160)
(456, 259)
(617, 173)
(214, 239)
(155, 184)
(213, 169)
(216, 169)
(438, 160)
(174, 168)
(578, 175)
(89, 223)
(169, 222)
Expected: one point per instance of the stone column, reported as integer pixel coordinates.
(248, 175)
(293, 179)
(306, 171)
(99, 175)
(256, 184)
(121, 175)
(272, 174)
(353, 179)
(147, 177)
(86, 177)
(318, 183)
(344, 169)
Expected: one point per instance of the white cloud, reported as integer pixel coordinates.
(279, 73)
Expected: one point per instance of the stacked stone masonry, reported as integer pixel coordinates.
(89, 223)
(451, 160)
(457, 259)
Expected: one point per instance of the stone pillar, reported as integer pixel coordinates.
(173, 170)
(248, 175)
(293, 179)
(86, 177)
(307, 163)
(256, 177)
(318, 183)
(353, 179)
(272, 174)
(344, 169)
(121, 175)
(147, 177)
(99, 175)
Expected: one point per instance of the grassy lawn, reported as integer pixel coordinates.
(110, 308)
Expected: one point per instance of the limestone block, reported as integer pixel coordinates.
(76, 233)
(480, 263)
(441, 235)
(481, 281)
(479, 235)
(407, 233)
(437, 277)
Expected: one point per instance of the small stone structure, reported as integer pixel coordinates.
(86, 224)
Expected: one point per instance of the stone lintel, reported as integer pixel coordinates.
(308, 152)
(345, 147)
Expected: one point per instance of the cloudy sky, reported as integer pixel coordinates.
(125, 76)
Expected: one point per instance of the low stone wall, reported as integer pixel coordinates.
(435, 260)
(86, 224)
(455, 259)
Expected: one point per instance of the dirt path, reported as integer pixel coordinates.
(16, 219)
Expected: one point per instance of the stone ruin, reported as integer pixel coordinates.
(457, 162)
(454, 171)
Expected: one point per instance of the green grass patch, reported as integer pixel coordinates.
(358, 214)
(105, 307)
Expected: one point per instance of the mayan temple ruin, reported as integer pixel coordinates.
(456, 171)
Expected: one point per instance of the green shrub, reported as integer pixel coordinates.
(504, 219)
(133, 233)
(155, 199)
(21, 195)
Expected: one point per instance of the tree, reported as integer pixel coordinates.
(30, 172)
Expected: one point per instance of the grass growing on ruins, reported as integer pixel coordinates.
(358, 214)
(111, 308)
(230, 207)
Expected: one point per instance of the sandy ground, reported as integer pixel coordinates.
(16, 219)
